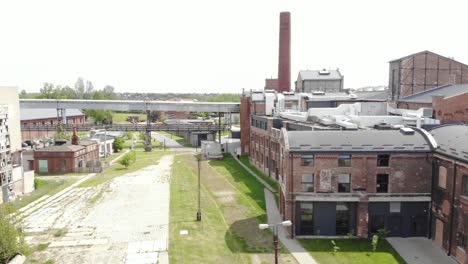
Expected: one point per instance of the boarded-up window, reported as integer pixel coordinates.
(442, 177)
(43, 166)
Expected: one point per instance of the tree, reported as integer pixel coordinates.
(155, 116)
(118, 144)
(109, 92)
(89, 90)
(80, 88)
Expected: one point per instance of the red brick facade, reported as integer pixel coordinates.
(29, 133)
(450, 207)
(451, 109)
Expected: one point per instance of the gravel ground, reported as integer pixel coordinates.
(128, 224)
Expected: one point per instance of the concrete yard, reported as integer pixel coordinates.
(419, 250)
(126, 223)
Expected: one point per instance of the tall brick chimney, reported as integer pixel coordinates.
(75, 139)
(284, 62)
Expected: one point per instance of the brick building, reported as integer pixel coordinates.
(66, 158)
(340, 182)
(323, 80)
(450, 190)
(45, 117)
(424, 70)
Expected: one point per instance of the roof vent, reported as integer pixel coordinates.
(324, 72)
(407, 131)
(383, 126)
(318, 93)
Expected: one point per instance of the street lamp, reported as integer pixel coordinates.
(198, 156)
(275, 234)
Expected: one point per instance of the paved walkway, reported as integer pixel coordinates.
(170, 143)
(299, 253)
(419, 250)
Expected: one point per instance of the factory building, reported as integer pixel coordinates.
(322, 80)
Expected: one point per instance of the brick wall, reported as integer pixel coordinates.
(451, 109)
(245, 124)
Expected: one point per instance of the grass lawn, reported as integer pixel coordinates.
(232, 205)
(121, 118)
(351, 251)
(178, 139)
(245, 160)
(143, 159)
(49, 187)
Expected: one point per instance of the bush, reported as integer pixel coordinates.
(128, 159)
(11, 239)
(118, 144)
(129, 135)
(38, 183)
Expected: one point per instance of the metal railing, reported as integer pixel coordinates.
(129, 127)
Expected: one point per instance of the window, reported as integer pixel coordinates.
(43, 166)
(461, 240)
(465, 185)
(383, 160)
(395, 207)
(344, 160)
(377, 222)
(382, 183)
(344, 183)
(307, 183)
(307, 160)
(306, 218)
(442, 177)
(342, 219)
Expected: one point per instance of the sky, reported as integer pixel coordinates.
(216, 46)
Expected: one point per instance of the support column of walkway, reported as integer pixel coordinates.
(148, 145)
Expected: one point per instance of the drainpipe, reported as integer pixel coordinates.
(452, 207)
(292, 196)
(434, 169)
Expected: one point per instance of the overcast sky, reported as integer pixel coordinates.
(216, 46)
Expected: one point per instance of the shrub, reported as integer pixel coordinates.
(11, 239)
(335, 247)
(128, 159)
(129, 135)
(375, 242)
(118, 144)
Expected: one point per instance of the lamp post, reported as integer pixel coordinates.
(198, 157)
(275, 234)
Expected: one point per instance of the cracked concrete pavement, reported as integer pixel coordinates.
(128, 224)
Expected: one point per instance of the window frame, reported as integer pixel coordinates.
(439, 179)
(383, 157)
(378, 185)
(307, 160)
(343, 161)
(464, 190)
(347, 185)
(307, 183)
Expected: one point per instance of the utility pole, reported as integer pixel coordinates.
(199, 186)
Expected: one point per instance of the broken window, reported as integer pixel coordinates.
(344, 181)
(307, 160)
(382, 183)
(442, 177)
(465, 185)
(461, 240)
(307, 183)
(344, 160)
(383, 160)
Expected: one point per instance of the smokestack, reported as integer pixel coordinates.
(284, 62)
(75, 139)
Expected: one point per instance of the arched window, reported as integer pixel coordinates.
(442, 177)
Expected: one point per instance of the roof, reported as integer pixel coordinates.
(61, 148)
(357, 141)
(452, 140)
(447, 90)
(372, 95)
(425, 51)
(315, 75)
(43, 113)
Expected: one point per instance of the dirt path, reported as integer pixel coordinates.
(122, 221)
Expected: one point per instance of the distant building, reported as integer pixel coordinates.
(45, 117)
(449, 208)
(322, 80)
(449, 102)
(422, 71)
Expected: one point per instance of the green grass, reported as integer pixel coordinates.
(228, 232)
(49, 187)
(112, 156)
(178, 139)
(273, 184)
(121, 118)
(143, 159)
(351, 251)
(42, 247)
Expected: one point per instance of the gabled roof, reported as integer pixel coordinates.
(44, 113)
(315, 75)
(447, 90)
(347, 141)
(61, 148)
(452, 141)
(425, 51)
